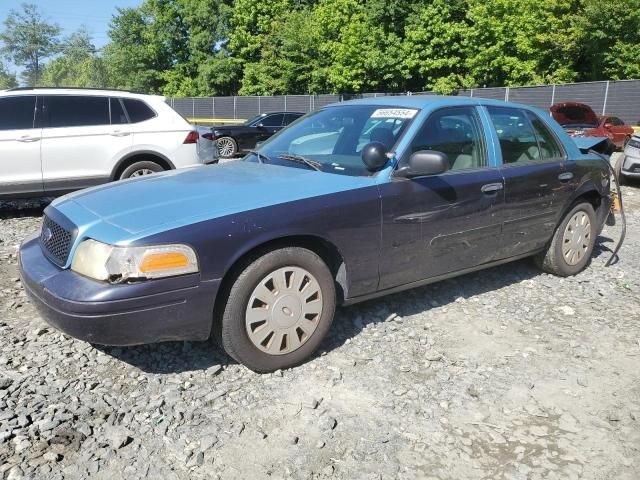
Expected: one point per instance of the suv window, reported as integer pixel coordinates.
(457, 132)
(118, 117)
(273, 120)
(549, 147)
(75, 111)
(138, 110)
(16, 113)
(518, 141)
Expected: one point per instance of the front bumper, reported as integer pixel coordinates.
(178, 308)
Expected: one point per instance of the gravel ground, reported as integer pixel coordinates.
(501, 374)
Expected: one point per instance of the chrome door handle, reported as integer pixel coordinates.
(491, 187)
(118, 133)
(28, 139)
(565, 177)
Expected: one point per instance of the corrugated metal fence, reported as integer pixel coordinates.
(621, 98)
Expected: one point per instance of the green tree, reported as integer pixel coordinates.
(28, 39)
(7, 79)
(78, 65)
(518, 42)
(435, 47)
(607, 35)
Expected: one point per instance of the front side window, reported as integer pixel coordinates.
(549, 147)
(273, 120)
(334, 137)
(16, 113)
(518, 141)
(138, 110)
(75, 111)
(456, 132)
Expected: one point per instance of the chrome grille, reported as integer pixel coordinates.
(55, 240)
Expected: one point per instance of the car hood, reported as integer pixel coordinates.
(574, 114)
(144, 206)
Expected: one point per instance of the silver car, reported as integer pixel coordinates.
(629, 163)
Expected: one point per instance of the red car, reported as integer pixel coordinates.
(580, 120)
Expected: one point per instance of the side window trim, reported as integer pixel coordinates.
(482, 134)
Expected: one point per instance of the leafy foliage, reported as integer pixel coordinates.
(257, 47)
(28, 39)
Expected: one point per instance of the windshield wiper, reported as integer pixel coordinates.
(300, 159)
(261, 156)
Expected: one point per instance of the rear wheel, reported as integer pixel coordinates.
(572, 243)
(278, 310)
(138, 169)
(227, 147)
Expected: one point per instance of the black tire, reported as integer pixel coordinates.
(136, 168)
(227, 147)
(553, 260)
(232, 331)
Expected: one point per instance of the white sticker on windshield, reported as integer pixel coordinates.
(394, 113)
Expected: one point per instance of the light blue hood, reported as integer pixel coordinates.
(144, 206)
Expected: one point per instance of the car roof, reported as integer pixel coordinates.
(75, 91)
(427, 101)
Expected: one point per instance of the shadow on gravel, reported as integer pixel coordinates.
(351, 320)
(23, 208)
(171, 357)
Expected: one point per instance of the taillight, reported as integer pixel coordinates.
(208, 136)
(192, 137)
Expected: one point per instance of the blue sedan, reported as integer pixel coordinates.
(354, 201)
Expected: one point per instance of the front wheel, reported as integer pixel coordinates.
(572, 243)
(278, 310)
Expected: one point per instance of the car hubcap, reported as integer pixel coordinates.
(141, 172)
(284, 310)
(226, 148)
(576, 238)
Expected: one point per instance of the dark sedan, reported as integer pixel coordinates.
(354, 201)
(234, 139)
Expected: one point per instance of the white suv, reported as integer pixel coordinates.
(55, 140)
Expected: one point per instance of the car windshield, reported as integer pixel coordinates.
(333, 138)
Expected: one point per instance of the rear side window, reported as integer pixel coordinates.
(518, 141)
(290, 117)
(118, 117)
(549, 147)
(138, 110)
(75, 111)
(16, 113)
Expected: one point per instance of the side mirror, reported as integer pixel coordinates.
(260, 125)
(374, 156)
(423, 163)
(608, 125)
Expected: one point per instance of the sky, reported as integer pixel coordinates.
(72, 14)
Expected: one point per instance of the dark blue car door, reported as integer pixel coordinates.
(537, 181)
(438, 224)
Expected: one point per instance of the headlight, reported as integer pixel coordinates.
(117, 264)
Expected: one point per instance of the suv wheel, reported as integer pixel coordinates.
(139, 169)
(572, 243)
(227, 147)
(278, 310)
